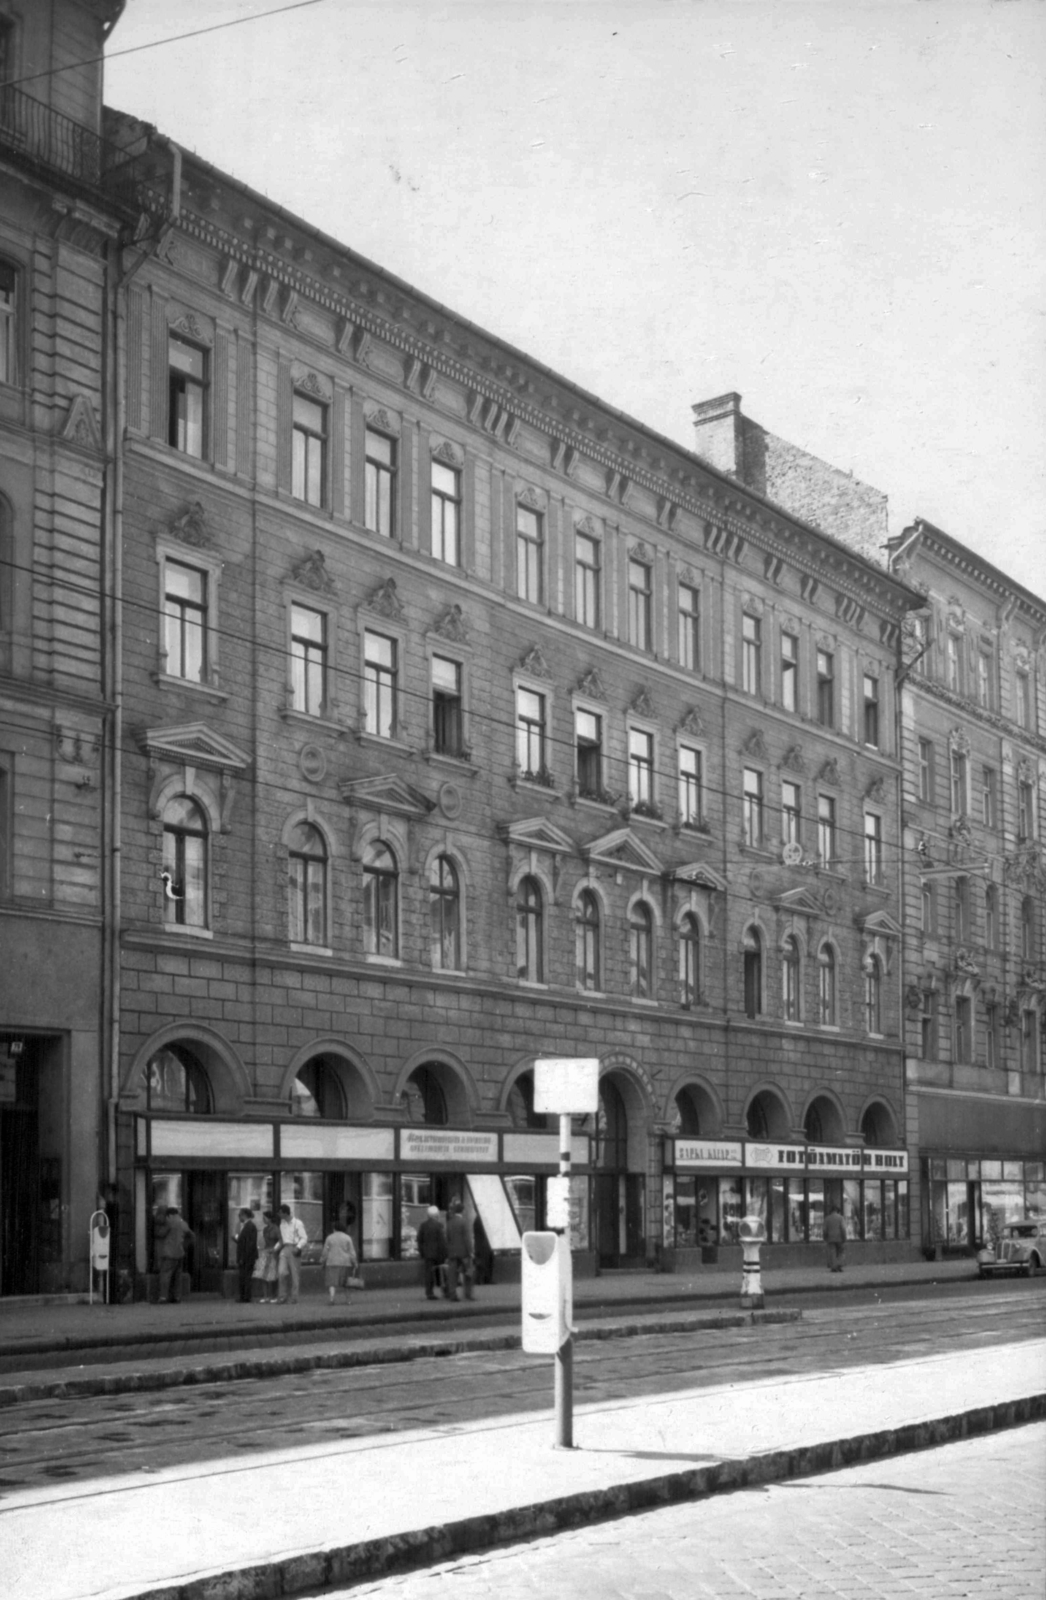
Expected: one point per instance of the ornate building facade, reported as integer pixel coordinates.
(465, 721)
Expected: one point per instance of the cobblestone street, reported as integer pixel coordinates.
(965, 1522)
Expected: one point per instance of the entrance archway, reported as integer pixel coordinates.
(619, 1185)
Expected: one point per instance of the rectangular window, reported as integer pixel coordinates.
(991, 1038)
(928, 899)
(953, 663)
(379, 475)
(926, 771)
(446, 514)
(1025, 814)
(826, 852)
(530, 734)
(308, 660)
(1029, 1040)
(379, 685)
(8, 312)
(752, 808)
(928, 1026)
(529, 540)
(640, 597)
(588, 736)
(962, 911)
(958, 783)
(185, 621)
(873, 847)
(825, 689)
(963, 1023)
(640, 767)
(871, 711)
(789, 672)
(984, 680)
(6, 823)
(689, 627)
(586, 580)
(991, 916)
(751, 654)
(308, 450)
(690, 787)
(791, 814)
(186, 387)
(1023, 699)
(989, 807)
(447, 721)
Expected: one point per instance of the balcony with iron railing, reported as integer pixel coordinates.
(52, 146)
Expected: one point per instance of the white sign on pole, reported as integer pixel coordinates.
(566, 1085)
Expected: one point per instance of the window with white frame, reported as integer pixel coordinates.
(752, 807)
(791, 814)
(826, 688)
(928, 909)
(1029, 939)
(379, 480)
(530, 959)
(531, 735)
(959, 781)
(1025, 811)
(186, 396)
(689, 960)
(689, 626)
(985, 678)
(308, 660)
(751, 654)
(871, 710)
(185, 863)
(1022, 682)
(989, 802)
(380, 901)
(641, 951)
(992, 1051)
(790, 980)
(953, 663)
(448, 736)
(587, 942)
(8, 322)
(640, 604)
(588, 745)
(307, 885)
(826, 994)
(529, 554)
(691, 787)
(928, 1026)
(445, 915)
(991, 917)
(308, 450)
(586, 580)
(873, 995)
(826, 845)
(380, 681)
(963, 1042)
(789, 672)
(925, 760)
(873, 847)
(641, 767)
(962, 910)
(446, 513)
(185, 632)
(753, 972)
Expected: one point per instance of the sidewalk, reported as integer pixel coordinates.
(358, 1507)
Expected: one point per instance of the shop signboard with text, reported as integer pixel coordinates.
(424, 1147)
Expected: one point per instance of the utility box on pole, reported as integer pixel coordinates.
(547, 1296)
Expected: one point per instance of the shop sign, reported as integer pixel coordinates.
(423, 1146)
(775, 1157)
(886, 1163)
(542, 1149)
(827, 1158)
(708, 1152)
(315, 1142)
(219, 1140)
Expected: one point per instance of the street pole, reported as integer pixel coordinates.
(564, 1386)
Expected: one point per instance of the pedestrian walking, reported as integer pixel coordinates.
(338, 1260)
(835, 1238)
(432, 1248)
(173, 1235)
(459, 1253)
(246, 1253)
(293, 1240)
(265, 1266)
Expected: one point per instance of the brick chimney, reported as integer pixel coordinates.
(719, 427)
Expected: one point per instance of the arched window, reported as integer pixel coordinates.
(641, 951)
(689, 960)
(611, 1128)
(686, 1124)
(826, 985)
(813, 1127)
(425, 1099)
(445, 915)
(530, 920)
(790, 980)
(520, 1103)
(1028, 941)
(757, 1123)
(316, 1092)
(587, 951)
(185, 863)
(753, 971)
(307, 885)
(175, 1081)
(873, 997)
(380, 901)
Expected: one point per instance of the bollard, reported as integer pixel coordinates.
(753, 1235)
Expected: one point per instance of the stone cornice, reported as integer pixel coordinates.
(974, 713)
(946, 549)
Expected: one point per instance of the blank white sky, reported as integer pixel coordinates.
(838, 209)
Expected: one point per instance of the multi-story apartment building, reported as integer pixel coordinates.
(466, 720)
(971, 711)
(58, 219)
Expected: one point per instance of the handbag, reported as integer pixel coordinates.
(355, 1280)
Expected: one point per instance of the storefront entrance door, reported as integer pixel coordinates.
(205, 1213)
(618, 1218)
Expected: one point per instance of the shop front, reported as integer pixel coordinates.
(377, 1182)
(710, 1185)
(970, 1199)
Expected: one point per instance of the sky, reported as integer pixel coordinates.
(836, 209)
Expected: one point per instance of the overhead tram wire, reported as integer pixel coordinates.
(155, 44)
(667, 776)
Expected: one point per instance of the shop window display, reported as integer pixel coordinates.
(377, 1216)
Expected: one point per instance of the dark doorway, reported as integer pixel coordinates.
(205, 1214)
(20, 1194)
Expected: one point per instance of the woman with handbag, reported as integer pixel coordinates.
(338, 1261)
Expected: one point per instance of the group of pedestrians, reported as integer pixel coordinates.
(446, 1252)
(271, 1258)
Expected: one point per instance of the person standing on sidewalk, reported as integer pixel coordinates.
(432, 1248)
(459, 1253)
(338, 1260)
(293, 1240)
(835, 1238)
(246, 1254)
(173, 1234)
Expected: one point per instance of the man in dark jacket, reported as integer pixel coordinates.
(432, 1248)
(459, 1253)
(246, 1253)
(172, 1236)
(835, 1238)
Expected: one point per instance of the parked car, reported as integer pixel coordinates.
(1022, 1248)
